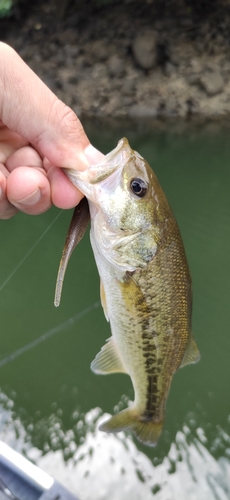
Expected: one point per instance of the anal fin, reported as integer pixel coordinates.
(108, 360)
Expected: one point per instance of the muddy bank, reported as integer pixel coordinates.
(129, 59)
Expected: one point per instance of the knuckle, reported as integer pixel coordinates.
(69, 122)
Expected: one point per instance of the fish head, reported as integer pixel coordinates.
(124, 198)
(123, 187)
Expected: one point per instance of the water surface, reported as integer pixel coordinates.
(51, 401)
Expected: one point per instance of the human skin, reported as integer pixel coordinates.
(39, 136)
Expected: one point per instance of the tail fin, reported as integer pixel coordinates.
(146, 431)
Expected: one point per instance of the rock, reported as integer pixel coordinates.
(116, 66)
(59, 57)
(99, 71)
(194, 72)
(71, 50)
(205, 29)
(101, 50)
(68, 75)
(169, 69)
(145, 50)
(207, 76)
(200, 46)
(193, 79)
(196, 65)
(142, 111)
(212, 82)
(146, 63)
(225, 69)
(126, 100)
(128, 87)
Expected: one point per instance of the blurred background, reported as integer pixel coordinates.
(127, 57)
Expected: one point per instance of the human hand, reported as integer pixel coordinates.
(38, 135)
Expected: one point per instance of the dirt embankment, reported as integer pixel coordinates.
(130, 58)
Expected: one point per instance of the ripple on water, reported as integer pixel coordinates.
(112, 467)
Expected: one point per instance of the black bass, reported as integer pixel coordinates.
(145, 284)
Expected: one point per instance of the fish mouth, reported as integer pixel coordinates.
(99, 172)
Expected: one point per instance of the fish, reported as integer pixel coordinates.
(145, 289)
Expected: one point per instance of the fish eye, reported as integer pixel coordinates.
(139, 187)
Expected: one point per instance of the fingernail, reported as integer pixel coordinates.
(31, 199)
(93, 155)
(1, 192)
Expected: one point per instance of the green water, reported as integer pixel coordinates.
(51, 401)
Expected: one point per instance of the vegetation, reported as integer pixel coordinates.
(5, 7)
(12, 7)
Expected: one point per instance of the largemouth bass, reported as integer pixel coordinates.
(145, 284)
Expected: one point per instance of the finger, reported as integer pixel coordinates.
(6, 209)
(93, 155)
(26, 156)
(9, 142)
(55, 130)
(63, 193)
(28, 190)
(4, 170)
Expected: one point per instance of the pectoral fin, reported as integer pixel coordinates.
(108, 360)
(76, 231)
(191, 355)
(103, 300)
